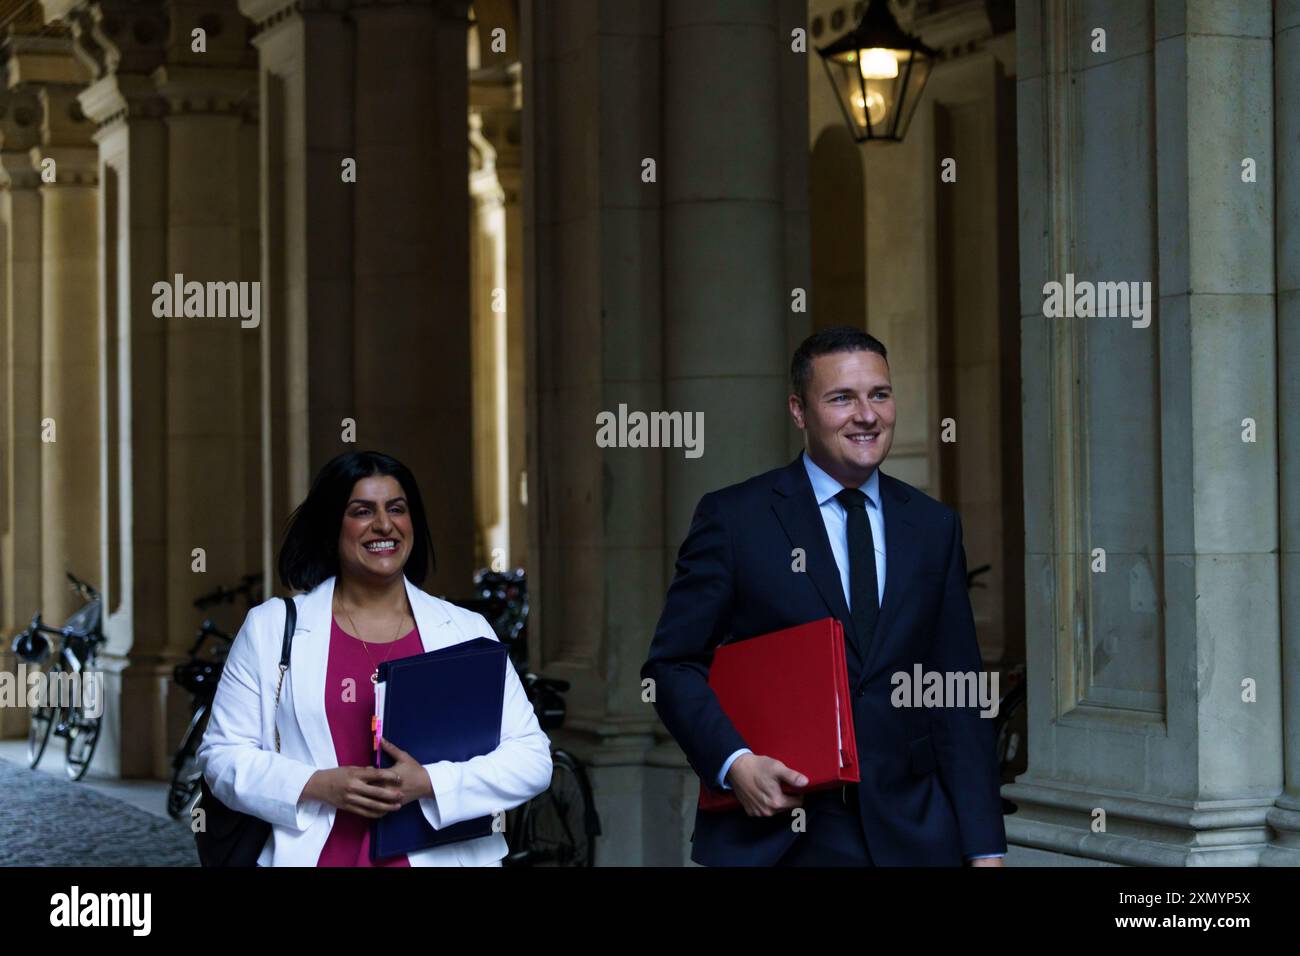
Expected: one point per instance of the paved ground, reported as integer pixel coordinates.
(147, 795)
(47, 820)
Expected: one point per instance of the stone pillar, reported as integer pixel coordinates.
(488, 306)
(1155, 708)
(20, 353)
(496, 126)
(661, 295)
(592, 241)
(411, 345)
(306, 104)
(210, 379)
(725, 302)
(124, 43)
(728, 323)
(1284, 818)
(65, 160)
(504, 127)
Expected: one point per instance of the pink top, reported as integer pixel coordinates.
(349, 709)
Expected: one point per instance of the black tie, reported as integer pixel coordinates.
(862, 568)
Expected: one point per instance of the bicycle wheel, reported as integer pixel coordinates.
(184, 791)
(559, 830)
(83, 735)
(43, 719)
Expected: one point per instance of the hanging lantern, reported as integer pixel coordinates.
(878, 73)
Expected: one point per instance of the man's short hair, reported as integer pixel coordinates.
(840, 338)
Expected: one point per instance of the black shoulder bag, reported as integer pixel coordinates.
(232, 838)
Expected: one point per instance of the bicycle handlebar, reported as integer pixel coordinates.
(208, 629)
(81, 587)
(223, 595)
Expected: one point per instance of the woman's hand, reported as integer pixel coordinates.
(366, 791)
(415, 782)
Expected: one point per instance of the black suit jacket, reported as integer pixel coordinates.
(929, 791)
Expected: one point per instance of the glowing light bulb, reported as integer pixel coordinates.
(878, 63)
(873, 108)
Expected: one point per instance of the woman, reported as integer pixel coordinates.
(359, 545)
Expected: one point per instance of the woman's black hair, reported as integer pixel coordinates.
(310, 551)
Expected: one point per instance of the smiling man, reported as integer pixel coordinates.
(886, 561)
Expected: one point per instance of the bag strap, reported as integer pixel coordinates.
(290, 622)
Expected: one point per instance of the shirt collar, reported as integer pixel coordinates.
(825, 487)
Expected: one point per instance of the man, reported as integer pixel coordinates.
(830, 535)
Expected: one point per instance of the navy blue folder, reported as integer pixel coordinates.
(440, 705)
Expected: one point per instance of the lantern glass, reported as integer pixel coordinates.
(878, 72)
(878, 90)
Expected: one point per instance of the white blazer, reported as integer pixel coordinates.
(238, 757)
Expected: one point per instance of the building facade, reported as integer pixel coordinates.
(475, 227)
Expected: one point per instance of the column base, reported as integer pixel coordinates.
(14, 721)
(1284, 821)
(641, 790)
(148, 714)
(1058, 819)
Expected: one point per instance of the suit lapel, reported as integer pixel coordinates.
(796, 509)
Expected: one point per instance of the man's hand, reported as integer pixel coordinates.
(987, 861)
(758, 785)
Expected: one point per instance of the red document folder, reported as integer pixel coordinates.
(787, 693)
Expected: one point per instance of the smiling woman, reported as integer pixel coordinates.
(300, 754)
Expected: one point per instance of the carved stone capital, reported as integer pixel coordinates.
(191, 89)
(73, 165)
(40, 60)
(16, 170)
(63, 124)
(125, 36)
(496, 96)
(226, 34)
(20, 120)
(121, 97)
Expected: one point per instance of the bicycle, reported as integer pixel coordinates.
(559, 826)
(63, 715)
(199, 675)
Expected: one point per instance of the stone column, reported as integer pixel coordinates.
(1155, 705)
(496, 96)
(496, 125)
(661, 293)
(210, 380)
(725, 302)
(124, 43)
(20, 305)
(66, 162)
(592, 242)
(491, 425)
(1284, 818)
(730, 251)
(410, 345)
(306, 103)
(504, 128)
